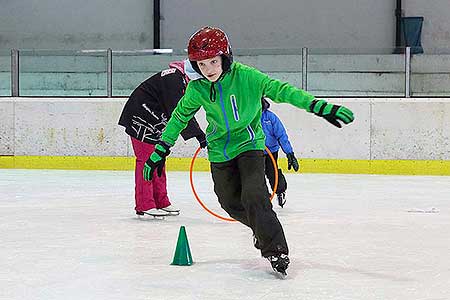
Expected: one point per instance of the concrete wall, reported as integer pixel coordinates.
(384, 129)
(65, 24)
(100, 24)
(285, 24)
(436, 24)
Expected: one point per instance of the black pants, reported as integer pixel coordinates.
(270, 173)
(242, 191)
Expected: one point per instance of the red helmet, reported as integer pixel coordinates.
(209, 42)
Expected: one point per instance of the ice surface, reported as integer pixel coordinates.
(73, 235)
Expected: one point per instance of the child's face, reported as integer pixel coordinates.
(211, 68)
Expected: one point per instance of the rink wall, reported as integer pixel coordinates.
(389, 136)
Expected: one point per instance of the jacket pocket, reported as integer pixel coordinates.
(213, 131)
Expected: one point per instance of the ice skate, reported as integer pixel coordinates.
(171, 210)
(279, 264)
(155, 213)
(281, 199)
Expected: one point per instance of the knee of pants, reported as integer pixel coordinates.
(256, 199)
(231, 208)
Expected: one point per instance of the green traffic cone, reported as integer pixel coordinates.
(182, 255)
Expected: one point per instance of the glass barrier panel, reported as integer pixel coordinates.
(430, 73)
(356, 72)
(330, 72)
(281, 64)
(5, 73)
(131, 68)
(62, 73)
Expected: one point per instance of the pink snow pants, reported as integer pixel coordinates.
(148, 194)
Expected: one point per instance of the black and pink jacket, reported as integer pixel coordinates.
(151, 104)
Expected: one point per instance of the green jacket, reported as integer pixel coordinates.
(233, 110)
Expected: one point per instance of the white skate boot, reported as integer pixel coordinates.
(156, 213)
(171, 210)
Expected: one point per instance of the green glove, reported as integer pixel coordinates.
(156, 160)
(332, 113)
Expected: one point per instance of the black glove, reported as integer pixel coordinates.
(156, 161)
(292, 161)
(332, 113)
(202, 140)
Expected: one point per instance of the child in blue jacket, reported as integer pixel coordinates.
(276, 136)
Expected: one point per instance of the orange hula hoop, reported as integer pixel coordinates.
(275, 167)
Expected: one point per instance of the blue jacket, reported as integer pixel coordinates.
(274, 130)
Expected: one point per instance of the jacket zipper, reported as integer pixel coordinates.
(234, 106)
(222, 104)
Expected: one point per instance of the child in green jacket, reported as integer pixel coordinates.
(230, 93)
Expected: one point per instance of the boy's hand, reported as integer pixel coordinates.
(292, 161)
(156, 161)
(332, 113)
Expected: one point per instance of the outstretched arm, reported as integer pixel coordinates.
(184, 112)
(284, 92)
(174, 86)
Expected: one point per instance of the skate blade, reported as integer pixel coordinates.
(150, 219)
(159, 217)
(281, 275)
(173, 213)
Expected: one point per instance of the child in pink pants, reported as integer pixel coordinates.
(144, 117)
(148, 194)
